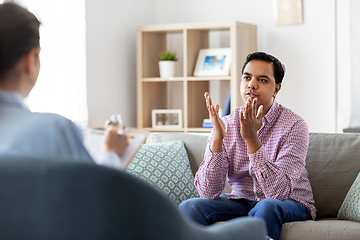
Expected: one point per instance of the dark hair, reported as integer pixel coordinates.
(19, 33)
(279, 68)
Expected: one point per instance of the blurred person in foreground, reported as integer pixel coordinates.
(22, 132)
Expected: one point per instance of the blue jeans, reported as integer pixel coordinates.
(273, 211)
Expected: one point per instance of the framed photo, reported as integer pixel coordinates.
(166, 118)
(288, 12)
(213, 62)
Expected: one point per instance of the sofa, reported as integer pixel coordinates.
(333, 163)
(53, 199)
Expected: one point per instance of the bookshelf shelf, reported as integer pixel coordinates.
(186, 91)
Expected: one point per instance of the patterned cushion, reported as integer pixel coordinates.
(350, 208)
(166, 165)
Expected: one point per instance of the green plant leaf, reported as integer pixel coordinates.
(167, 56)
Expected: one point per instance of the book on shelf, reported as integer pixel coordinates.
(222, 112)
(226, 109)
(207, 123)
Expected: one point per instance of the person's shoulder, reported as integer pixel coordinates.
(49, 117)
(287, 113)
(53, 119)
(291, 120)
(60, 128)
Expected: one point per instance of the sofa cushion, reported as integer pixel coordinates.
(333, 163)
(194, 144)
(350, 208)
(166, 165)
(322, 229)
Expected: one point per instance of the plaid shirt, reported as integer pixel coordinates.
(276, 170)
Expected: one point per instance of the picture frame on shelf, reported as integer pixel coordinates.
(213, 62)
(166, 118)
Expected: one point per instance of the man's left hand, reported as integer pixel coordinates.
(251, 121)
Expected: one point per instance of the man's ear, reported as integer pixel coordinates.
(30, 60)
(277, 89)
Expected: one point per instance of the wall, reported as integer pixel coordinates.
(316, 53)
(343, 57)
(111, 57)
(355, 62)
(307, 50)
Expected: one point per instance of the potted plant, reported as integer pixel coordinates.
(167, 64)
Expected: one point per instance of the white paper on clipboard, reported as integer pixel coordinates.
(94, 143)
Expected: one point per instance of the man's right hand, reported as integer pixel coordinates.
(218, 125)
(115, 142)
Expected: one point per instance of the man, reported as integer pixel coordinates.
(23, 133)
(262, 147)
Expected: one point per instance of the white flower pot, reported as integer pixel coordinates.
(167, 69)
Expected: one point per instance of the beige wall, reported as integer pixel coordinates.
(307, 50)
(314, 53)
(111, 57)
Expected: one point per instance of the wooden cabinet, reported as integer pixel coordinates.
(184, 91)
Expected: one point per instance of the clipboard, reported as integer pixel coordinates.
(94, 142)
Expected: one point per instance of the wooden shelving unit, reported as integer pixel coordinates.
(185, 91)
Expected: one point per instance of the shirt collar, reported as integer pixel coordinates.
(12, 98)
(272, 113)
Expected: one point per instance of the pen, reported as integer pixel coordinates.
(120, 132)
(116, 121)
